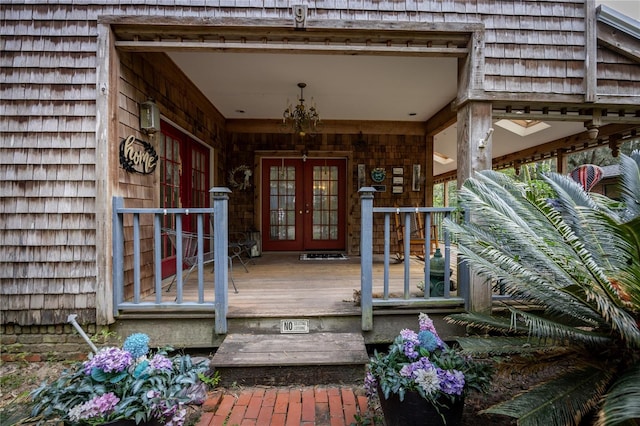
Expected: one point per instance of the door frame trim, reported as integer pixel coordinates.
(318, 154)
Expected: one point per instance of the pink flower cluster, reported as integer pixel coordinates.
(99, 406)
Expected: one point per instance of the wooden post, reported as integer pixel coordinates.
(117, 248)
(106, 170)
(561, 161)
(221, 256)
(474, 154)
(366, 257)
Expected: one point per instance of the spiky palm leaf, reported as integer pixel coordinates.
(561, 401)
(578, 257)
(622, 399)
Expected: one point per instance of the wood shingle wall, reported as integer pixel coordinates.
(48, 121)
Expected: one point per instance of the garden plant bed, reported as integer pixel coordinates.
(19, 378)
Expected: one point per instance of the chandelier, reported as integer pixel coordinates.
(300, 119)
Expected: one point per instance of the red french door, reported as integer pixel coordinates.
(303, 204)
(184, 183)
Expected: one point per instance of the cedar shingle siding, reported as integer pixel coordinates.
(48, 92)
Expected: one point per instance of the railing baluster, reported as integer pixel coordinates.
(157, 256)
(427, 263)
(200, 258)
(179, 257)
(136, 258)
(407, 253)
(387, 251)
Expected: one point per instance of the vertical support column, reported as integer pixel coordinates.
(107, 76)
(117, 240)
(474, 154)
(221, 255)
(366, 257)
(561, 161)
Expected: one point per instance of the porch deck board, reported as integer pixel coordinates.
(280, 284)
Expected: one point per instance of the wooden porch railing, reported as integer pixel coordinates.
(366, 252)
(123, 225)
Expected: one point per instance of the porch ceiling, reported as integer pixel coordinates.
(362, 78)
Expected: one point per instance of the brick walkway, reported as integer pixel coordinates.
(285, 406)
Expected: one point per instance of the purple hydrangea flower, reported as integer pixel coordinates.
(451, 381)
(370, 385)
(109, 360)
(161, 362)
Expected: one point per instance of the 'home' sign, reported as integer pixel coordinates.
(137, 156)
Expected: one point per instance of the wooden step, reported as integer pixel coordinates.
(280, 359)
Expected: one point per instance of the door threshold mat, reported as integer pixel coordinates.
(323, 256)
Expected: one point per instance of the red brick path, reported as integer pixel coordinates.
(299, 406)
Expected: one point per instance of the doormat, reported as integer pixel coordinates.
(323, 256)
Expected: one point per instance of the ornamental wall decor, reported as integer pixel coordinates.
(239, 177)
(137, 156)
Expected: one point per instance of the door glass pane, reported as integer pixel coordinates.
(282, 200)
(325, 203)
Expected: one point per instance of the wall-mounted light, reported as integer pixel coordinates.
(484, 141)
(149, 117)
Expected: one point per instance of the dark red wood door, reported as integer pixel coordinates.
(303, 204)
(184, 183)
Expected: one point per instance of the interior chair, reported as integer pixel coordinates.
(416, 236)
(190, 253)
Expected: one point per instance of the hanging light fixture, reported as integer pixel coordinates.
(300, 119)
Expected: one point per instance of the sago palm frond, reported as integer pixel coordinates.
(545, 327)
(630, 183)
(486, 322)
(561, 401)
(526, 282)
(504, 345)
(622, 402)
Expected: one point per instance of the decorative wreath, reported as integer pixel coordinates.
(245, 174)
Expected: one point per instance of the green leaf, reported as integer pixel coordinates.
(559, 401)
(621, 404)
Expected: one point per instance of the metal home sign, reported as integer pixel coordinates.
(137, 156)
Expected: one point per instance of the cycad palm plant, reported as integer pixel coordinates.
(575, 262)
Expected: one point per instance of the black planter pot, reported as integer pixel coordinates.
(417, 411)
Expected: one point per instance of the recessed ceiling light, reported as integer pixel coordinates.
(240, 111)
(441, 158)
(522, 127)
(412, 114)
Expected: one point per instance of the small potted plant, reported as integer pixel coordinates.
(421, 380)
(124, 387)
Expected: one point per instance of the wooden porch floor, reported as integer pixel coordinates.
(281, 284)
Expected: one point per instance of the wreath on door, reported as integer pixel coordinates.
(239, 177)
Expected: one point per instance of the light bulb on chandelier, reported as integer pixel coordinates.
(302, 120)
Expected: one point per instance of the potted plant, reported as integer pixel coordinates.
(422, 380)
(124, 386)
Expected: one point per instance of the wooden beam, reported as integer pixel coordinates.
(619, 42)
(442, 119)
(211, 46)
(412, 128)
